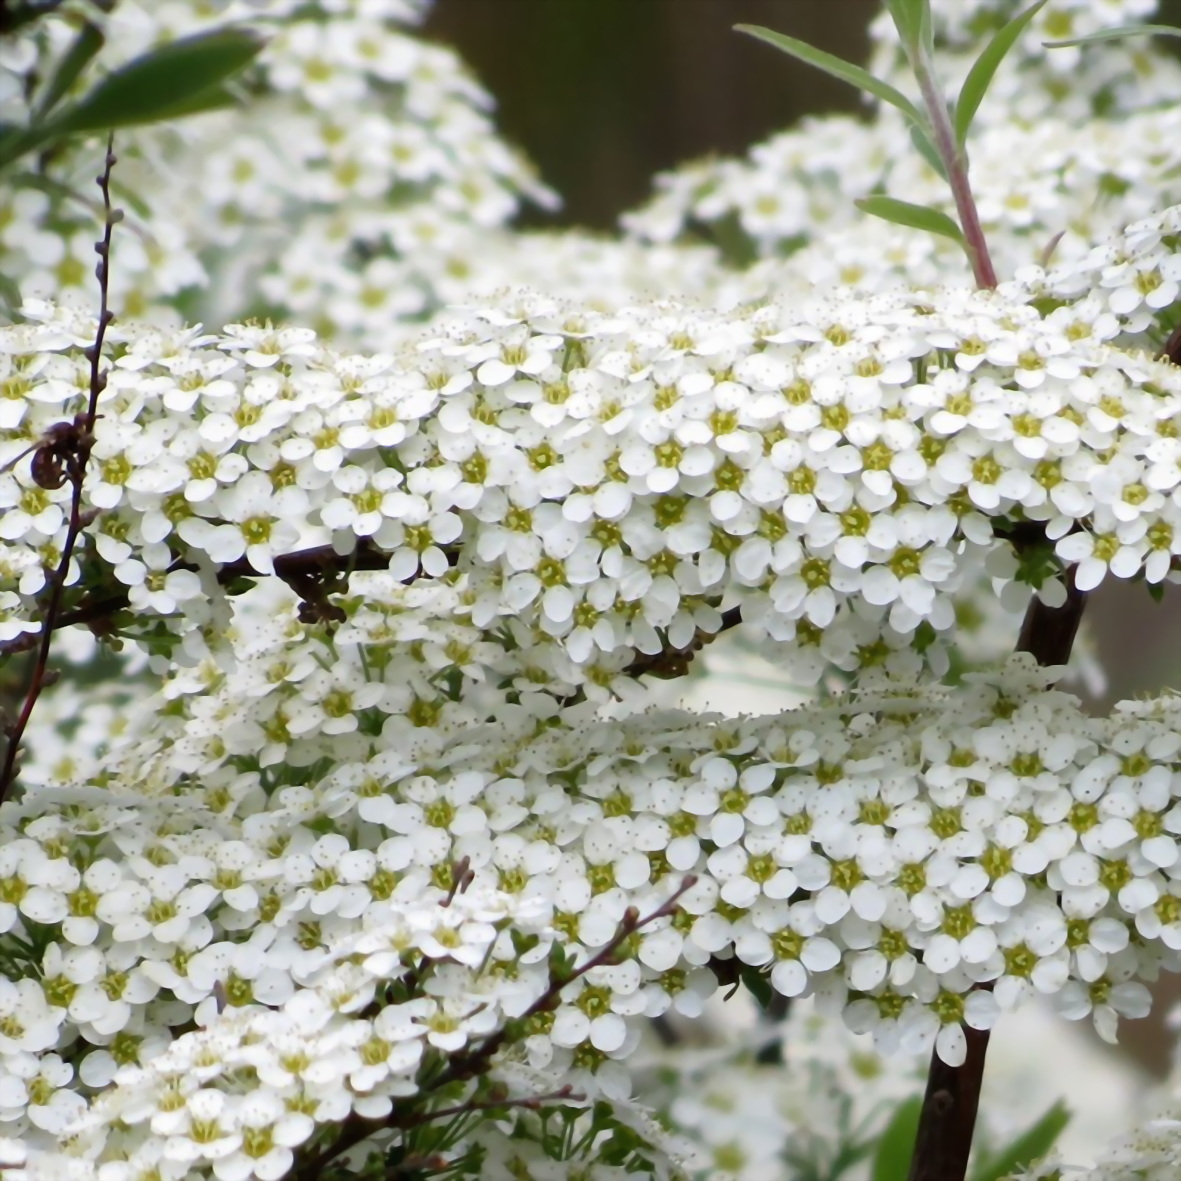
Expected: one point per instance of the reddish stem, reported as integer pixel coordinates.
(956, 164)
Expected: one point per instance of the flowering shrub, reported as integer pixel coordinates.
(401, 862)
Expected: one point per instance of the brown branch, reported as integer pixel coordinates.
(948, 1119)
(313, 571)
(320, 571)
(530, 1103)
(1172, 350)
(674, 662)
(68, 447)
(1048, 633)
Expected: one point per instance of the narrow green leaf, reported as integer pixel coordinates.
(10, 298)
(980, 76)
(837, 67)
(16, 141)
(919, 217)
(86, 45)
(891, 1162)
(10, 134)
(926, 33)
(215, 98)
(757, 984)
(909, 18)
(1119, 33)
(921, 139)
(1030, 1146)
(159, 83)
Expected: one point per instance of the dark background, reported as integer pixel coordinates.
(602, 94)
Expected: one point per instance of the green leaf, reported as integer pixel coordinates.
(757, 984)
(911, 17)
(239, 584)
(926, 34)
(167, 81)
(838, 68)
(10, 134)
(980, 76)
(731, 239)
(891, 1162)
(921, 138)
(216, 98)
(1037, 563)
(10, 297)
(86, 45)
(903, 213)
(1030, 1146)
(522, 943)
(16, 141)
(1119, 33)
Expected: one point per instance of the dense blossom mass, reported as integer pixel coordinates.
(382, 827)
(265, 864)
(616, 481)
(555, 494)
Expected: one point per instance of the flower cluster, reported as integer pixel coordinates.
(282, 850)
(617, 482)
(361, 145)
(442, 975)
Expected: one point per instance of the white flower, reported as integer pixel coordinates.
(154, 586)
(1105, 1001)
(1095, 554)
(260, 523)
(942, 1023)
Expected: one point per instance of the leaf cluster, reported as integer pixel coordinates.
(912, 18)
(184, 77)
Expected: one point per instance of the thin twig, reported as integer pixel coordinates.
(529, 1103)
(312, 574)
(71, 447)
(674, 662)
(467, 1064)
(301, 570)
